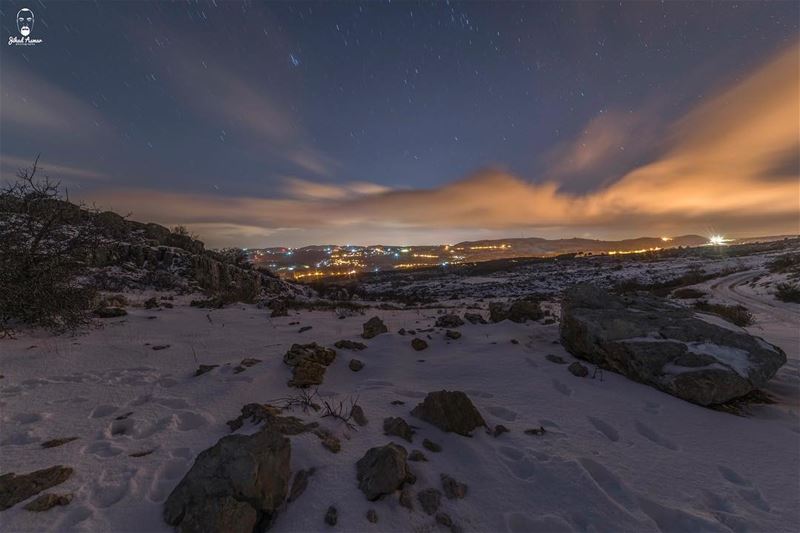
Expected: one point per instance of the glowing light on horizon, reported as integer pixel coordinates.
(717, 240)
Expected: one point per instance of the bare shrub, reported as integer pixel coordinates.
(341, 412)
(45, 242)
(305, 399)
(788, 292)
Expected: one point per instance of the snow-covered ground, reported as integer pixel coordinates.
(615, 456)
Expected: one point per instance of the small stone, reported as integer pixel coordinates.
(54, 443)
(406, 499)
(331, 516)
(47, 501)
(329, 441)
(450, 411)
(536, 431)
(355, 365)
(396, 426)
(449, 321)
(142, 453)
(372, 516)
(417, 456)
(304, 329)
(300, 483)
(514, 341)
(577, 369)
(474, 318)
(555, 359)
(431, 446)
(372, 327)
(349, 345)
(418, 344)
(430, 499)
(357, 414)
(158, 347)
(401, 331)
(204, 369)
(452, 334)
(499, 429)
(444, 519)
(398, 402)
(452, 488)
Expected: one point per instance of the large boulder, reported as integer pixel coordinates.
(450, 411)
(662, 344)
(237, 485)
(383, 470)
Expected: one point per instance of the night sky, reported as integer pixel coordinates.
(260, 124)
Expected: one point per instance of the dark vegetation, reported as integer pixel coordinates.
(788, 292)
(686, 293)
(45, 243)
(736, 314)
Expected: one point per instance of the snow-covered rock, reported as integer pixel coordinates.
(665, 345)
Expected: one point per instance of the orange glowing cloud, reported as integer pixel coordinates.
(732, 162)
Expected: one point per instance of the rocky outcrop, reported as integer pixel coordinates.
(16, 488)
(662, 344)
(237, 485)
(308, 362)
(383, 470)
(450, 411)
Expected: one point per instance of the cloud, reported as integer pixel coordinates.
(9, 165)
(729, 164)
(34, 105)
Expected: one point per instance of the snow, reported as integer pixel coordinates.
(616, 455)
(734, 358)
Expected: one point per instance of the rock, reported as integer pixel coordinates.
(450, 411)
(159, 347)
(16, 488)
(328, 440)
(309, 362)
(577, 369)
(396, 426)
(204, 369)
(548, 321)
(430, 499)
(536, 431)
(401, 331)
(279, 308)
(555, 359)
(417, 456)
(406, 499)
(355, 365)
(445, 520)
(397, 402)
(517, 311)
(349, 345)
(474, 318)
(418, 344)
(452, 488)
(357, 414)
(499, 429)
(304, 329)
(665, 345)
(237, 485)
(449, 321)
(382, 470)
(245, 364)
(331, 516)
(452, 334)
(431, 446)
(514, 341)
(374, 326)
(54, 443)
(300, 483)
(372, 516)
(151, 303)
(270, 416)
(109, 312)
(45, 502)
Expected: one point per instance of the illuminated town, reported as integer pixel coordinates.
(310, 262)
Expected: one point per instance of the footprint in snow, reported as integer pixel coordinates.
(605, 428)
(562, 388)
(748, 491)
(653, 436)
(502, 413)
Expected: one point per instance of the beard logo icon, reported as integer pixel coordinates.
(25, 20)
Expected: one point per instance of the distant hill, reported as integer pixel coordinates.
(536, 246)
